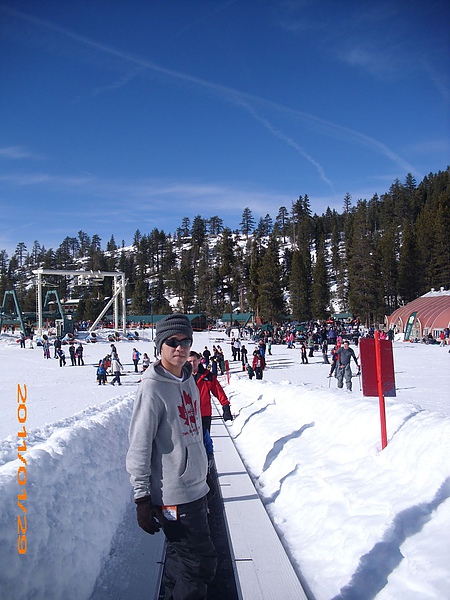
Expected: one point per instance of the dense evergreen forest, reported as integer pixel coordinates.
(369, 259)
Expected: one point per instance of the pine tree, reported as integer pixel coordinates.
(85, 243)
(215, 225)
(198, 233)
(63, 255)
(186, 281)
(282, 223)
(410, 276)
(365, 289)
(253, 286)
(137, 238)
(20, 253)
(424, 231)
(270, 292)
(227, 269)
(4, 283)
(347, 203)
(320, 290)
(185, 230)
(35, 256)
(159, 303)
(389, 251)
(440, 248)
(111, 246)
(300, 286)
(247, 223)
(140, 301)
(207, 283)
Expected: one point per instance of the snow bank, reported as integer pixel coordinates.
(76, 492)
(337, 500)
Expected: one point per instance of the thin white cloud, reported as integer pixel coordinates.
(381, 38)
(119, 83)
(235, 97)
(15, 153)
(440, 80)
(136, 192)
(439, 147)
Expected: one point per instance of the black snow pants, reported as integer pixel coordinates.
(191, 559)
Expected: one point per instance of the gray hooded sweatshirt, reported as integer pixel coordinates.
(167, 458)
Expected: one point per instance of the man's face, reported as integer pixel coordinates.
(346, 345)
(173, 359)
(194, 362)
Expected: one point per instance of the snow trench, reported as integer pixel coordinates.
(62, 501)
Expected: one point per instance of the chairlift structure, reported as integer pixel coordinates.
(16, 314)
(86, 278)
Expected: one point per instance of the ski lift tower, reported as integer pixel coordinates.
(87, 278)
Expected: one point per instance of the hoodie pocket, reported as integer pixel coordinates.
(196, 466)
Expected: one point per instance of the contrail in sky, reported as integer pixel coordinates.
(233, 96)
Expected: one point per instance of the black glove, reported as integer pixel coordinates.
(227, 416)
(146, 515)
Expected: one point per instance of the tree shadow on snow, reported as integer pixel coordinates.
(280, 444)
(258, 412)
(374, 567)
(274, 496)
(405, 420)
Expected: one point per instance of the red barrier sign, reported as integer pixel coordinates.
(367, 354)
(378, 379)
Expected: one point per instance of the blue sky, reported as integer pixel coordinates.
(117, 116)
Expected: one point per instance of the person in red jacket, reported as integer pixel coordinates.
(208, 384)
(258, 363)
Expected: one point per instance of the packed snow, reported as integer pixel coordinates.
(358, 522)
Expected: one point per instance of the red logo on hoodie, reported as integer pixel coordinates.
(187, 412)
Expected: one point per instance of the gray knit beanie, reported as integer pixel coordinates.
(172, 325)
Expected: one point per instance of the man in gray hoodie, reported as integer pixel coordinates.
(168, 465)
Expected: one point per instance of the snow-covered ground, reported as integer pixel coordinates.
(357, 521)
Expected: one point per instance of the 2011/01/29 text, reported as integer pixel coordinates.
(22, 475)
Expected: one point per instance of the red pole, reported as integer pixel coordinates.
(227, 369)
(380, 390)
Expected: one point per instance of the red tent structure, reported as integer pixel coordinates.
(432, 315)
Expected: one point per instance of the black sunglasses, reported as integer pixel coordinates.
(174, 343)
